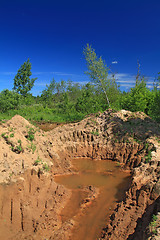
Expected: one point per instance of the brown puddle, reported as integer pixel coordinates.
(48, 126)
(103, 184)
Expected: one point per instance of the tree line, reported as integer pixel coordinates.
(69, 101)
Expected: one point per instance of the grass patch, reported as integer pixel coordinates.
(96, 133)
(32, 147)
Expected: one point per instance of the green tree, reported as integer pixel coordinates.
(73, 90)
(138, 98)
(88, 102)
(9, 100)
(47, 94)
(22, 81)
(154, 106)
(97, 70)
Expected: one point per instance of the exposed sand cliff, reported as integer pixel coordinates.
(31, 201)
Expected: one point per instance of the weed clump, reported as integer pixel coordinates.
(31, 133)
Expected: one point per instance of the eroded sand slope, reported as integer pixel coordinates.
(29, 158)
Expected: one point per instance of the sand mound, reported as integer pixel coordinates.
(18, 121)
(20, 148)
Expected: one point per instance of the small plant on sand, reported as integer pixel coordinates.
(96, 133)
(148, 157)
(93, 122)
(31, 133)
(11, 135)
(3, 134)
(153, 224)
(137, 140)
(118, 164)
(32, 147)
(148, 148)
(37, 161)
(10, 129)
(87, 123)
(18, 148)
(158, 139)
(146, 145)
(45, 167)
(11, 174)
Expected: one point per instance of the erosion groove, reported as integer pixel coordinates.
(35, 200)
(11, 209)
(31, 211)
(22, 216)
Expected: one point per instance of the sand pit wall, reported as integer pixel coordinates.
(143, 191)
(30, 207)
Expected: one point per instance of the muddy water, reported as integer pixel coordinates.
(47, 126)
(107, 184)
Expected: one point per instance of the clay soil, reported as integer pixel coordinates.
(31, 202)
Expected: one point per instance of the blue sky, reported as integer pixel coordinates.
(52, 34)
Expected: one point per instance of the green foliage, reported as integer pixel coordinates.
(137, 99)
(37, 161)
(66, 101)
(97, 69)
(3, 134)
(48, 93)
(22, 82)
(88, 101)
(18, 147)
(32, 147)
(153, 224)
(11, 135)
(31, 133)
(45, 167)
(154, 106)
(154, 218)
(148, 157)
(9, 100)
(98, 73)
(96, 133)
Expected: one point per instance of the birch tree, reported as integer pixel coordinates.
(97, 70)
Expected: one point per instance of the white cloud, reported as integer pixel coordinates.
(8, 73)
(127, 85)
(41, 84)
(114, 62)
(128, 80)
(81, 82)
(57, 73)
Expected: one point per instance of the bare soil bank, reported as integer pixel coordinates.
(31, 201)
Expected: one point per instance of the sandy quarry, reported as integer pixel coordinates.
(31, 201)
